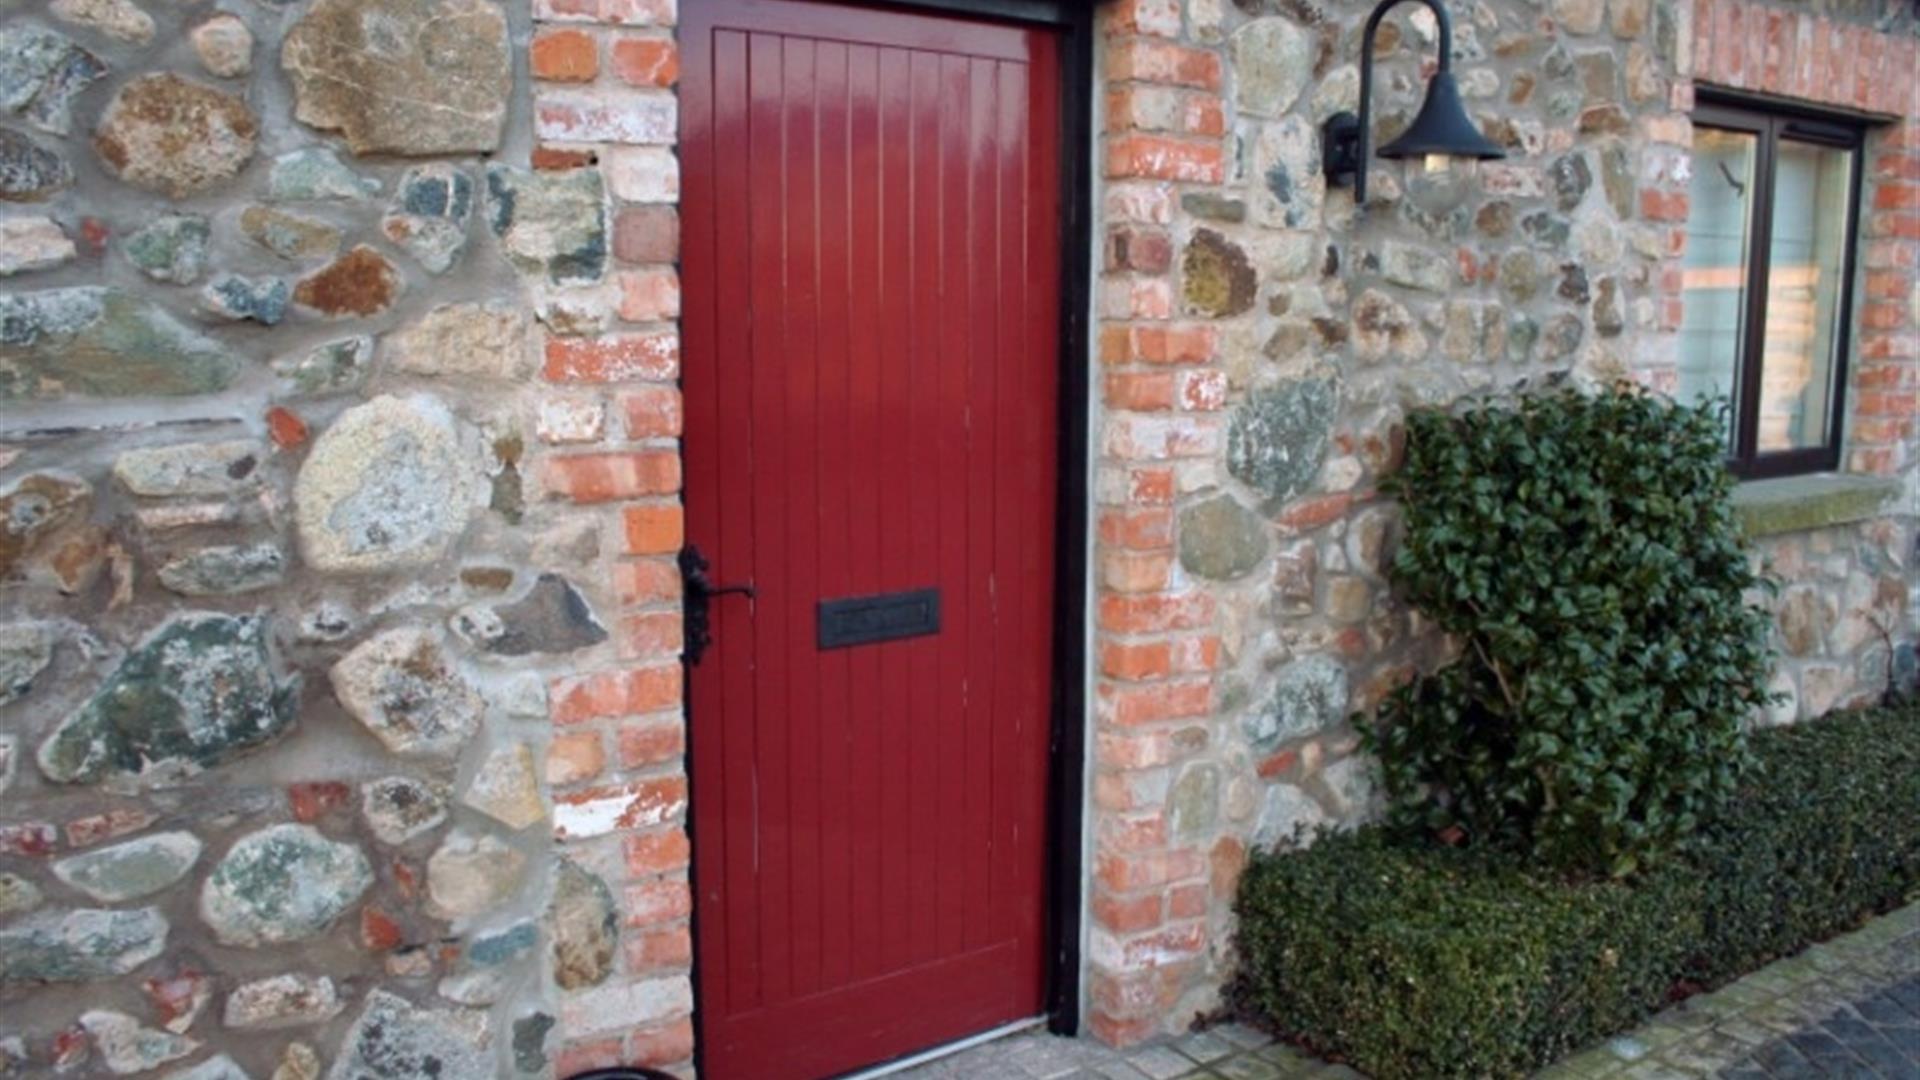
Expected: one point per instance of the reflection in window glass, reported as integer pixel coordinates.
(1811, 187)
(1715, 277)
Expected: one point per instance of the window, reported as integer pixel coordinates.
(1767, 283)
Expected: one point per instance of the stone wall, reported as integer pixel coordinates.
(1261, 340)
(297, 576)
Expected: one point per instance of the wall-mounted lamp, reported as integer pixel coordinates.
(1441, 130)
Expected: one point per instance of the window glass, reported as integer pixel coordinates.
(1714, 280)
(1811, 187)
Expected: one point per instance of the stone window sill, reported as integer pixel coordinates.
(1818, 501)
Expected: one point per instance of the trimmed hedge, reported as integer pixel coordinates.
(1421, 961)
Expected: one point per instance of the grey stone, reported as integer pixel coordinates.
(387, 486)
(1216, 279)
(471, 874)
(1212, 207)
(80, 945)
(553, 618)
(1570, 176)
(131, 870)
(1608, 319)
(197, 693)
(336, 367)
(429, 215)
(224, 46)
(34, 510)
(297, 1062)
(101, 342)
(1272, 60)
(1561, 337)
(399, 808)
(288, 235)
(1520, 276)
(1309, 697)
(282, 1001)
(25, 651)
(171, 248)
(1354, 785)
(1220, 539)
(119, 19)
(507, 946)
(550, 223)
(1573, 283)
(530, 1042)
(506, 789)
(283, 883)
(1522, 333)
(316, 173)
(1383, 329)
(17, 897)
(203, 469)
(1287, 815)
(41, 72)
(126, 1046)
(28, 244)
(584, 926)
(1416, 268)
(395, 1040)
(358, 284)
(9, 765)
(1277, 438)
(1193, 806)
(175, 136)
(1292, 186)
(421, 78)
(29, 172)
(483, 341)
(402, 685)
(1616, 178)
(1546, 229)
(233, 298)
(217, 1067)
(225, 569)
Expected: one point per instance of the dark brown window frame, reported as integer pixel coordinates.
(1769, 123)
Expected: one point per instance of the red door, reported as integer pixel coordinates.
(871, 365)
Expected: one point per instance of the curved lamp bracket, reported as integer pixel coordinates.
(1441, 126)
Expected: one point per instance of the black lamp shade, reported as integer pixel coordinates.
(1442, 127)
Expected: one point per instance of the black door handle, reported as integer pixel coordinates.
(697, 593)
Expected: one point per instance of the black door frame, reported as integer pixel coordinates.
(1066, 768)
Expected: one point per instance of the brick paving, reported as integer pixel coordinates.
(1849, 1008)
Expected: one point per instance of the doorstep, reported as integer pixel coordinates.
(1849, 1006)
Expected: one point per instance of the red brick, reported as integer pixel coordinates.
(648, 581)
(574, 757)
(617, 358)
(1136, 571)
(654, 635)
(1155, 614)
(32, 838)
(654, 530)
(312, 801)
(665, 1044)
(592, 478)
(654, 902)
(1126, 915)
(646, 234)
(649, 295)
(1883, 315)
(285, 427)
(1161, 158)
(613, 12)
(1115, 1031)
(1877, 403)
(642, 61)
(1141, 391)
(650, 854)
(559, 159)
(108, 824)
(582, 1057)
(1160, 18)
(615, 693)
(1893, 195)
(1658, 205)
(1142, 60)
(1187, 901)
(652, 412)
(650, 742)
(564, 56)
(1142, 660)
(1174, 344)
(1141, 529)
(378, 931)
(1134, 248)
(1152, 703)
(657, 950)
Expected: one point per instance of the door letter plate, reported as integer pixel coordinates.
(862, 620)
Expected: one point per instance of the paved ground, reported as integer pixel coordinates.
(1849, 1008)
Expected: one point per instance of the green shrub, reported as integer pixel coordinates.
(1583, 551)
(1419, 961)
